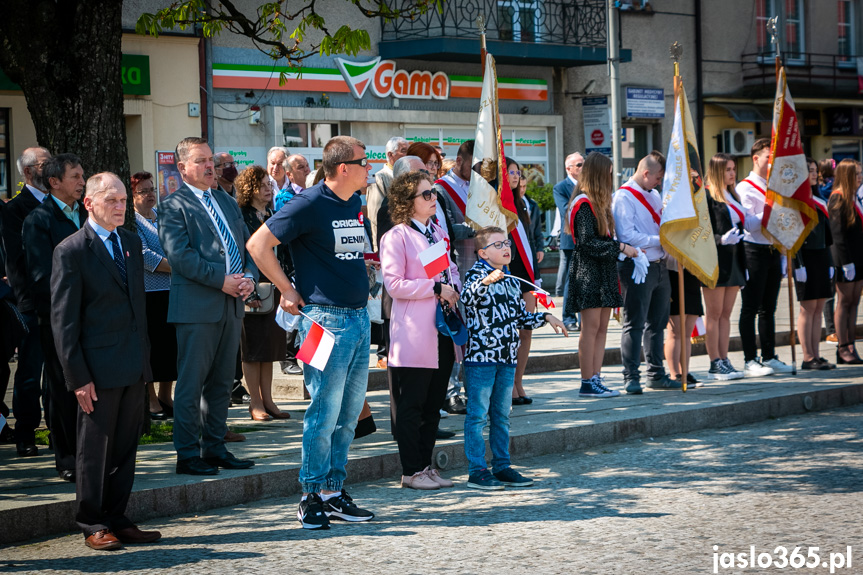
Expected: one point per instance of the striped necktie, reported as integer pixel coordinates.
(233, 250)
(119, 261)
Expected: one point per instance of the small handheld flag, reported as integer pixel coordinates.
(435, 259)
(543, 298)
(317, 346)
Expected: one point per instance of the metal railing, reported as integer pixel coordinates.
(576, 22)
(807, 71)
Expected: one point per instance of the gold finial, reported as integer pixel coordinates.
(771, 28)
(480, 23)
(676, 52)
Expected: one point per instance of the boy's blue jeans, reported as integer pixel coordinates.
(489, 397)
(337, 396)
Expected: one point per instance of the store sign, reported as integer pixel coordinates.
(844, 122)
(385, 80)
(134, 73)
(597, 125)
(168, 178)
(645, 102)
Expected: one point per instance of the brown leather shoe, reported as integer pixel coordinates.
(232, 437)
(103, 540)
(134, 535)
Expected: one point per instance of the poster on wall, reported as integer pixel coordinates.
(597, 125)
(168, 178)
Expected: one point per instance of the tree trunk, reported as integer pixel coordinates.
(66, 56)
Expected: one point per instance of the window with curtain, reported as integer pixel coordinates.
(845, 37)
(794, 39)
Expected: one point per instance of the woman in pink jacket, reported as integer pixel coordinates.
(420, 358)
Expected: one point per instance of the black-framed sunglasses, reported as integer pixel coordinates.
(499, 245)
(427, 195)
(360, 162)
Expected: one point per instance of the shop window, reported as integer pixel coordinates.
(845, 33)
(308, 134)
(5, 156)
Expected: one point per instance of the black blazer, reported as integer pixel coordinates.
(44, 229)
(100, 325)
(16, 210)
(720, 219)
(847, 240)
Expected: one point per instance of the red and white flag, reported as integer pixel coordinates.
(543, 298)
(435, 259)
(788, 213)
(317, 346)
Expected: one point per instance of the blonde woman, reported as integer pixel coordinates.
(593, 284)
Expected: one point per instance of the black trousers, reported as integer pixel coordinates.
(758, 299)
(107, 445)
(63, 414)
(420, 393)
(27, 387)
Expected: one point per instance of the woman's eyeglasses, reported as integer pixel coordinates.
(515, 173)
(426, 195)
(499, 245)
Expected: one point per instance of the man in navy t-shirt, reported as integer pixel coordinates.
(323, 228)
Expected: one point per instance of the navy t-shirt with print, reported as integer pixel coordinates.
(326, 237)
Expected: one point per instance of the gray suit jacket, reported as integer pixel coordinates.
(562, 192)
(194, 249)
(99, 325)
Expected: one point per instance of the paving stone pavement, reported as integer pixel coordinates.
(648, 506)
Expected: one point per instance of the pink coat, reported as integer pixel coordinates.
(413, 335)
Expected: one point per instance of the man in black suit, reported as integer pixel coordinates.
(204, 237)
(100, 329)
(58, 217)
(27, 389)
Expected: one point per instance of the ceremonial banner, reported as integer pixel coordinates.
(685, 230)
(485, 206)
(789, 215)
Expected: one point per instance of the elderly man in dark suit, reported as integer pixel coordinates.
(27, 389)
(58, 217)
(100, 329)
(202, 232)
(562, 192)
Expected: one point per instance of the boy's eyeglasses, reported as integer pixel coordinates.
(499, 245)
(427, 195)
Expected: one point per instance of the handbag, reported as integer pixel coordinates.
(266, 294)
(450, 324)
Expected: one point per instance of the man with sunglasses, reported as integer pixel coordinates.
(562, 193)
(323, 228)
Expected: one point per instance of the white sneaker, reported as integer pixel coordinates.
(754, 368)
(777, 366)
(443, 414)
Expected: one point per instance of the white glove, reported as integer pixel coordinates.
(731, 237)
(783, 261)
(800, 275)
(849, 272)
(832, 272)
(639, 273)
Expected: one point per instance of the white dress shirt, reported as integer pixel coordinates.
(753, 201)
(200, 195)
(37, 193)
(634, 224)
(105, 236)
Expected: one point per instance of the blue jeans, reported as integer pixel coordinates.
(489, 396)
(337, 396)
(562, 287)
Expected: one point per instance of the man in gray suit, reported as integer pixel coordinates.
(100, 331)
(562, 192)
(202, 232)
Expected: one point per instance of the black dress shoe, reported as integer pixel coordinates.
(526, 400)
(158, 416)
(291, 368)
(27, 449)
(67, 475)
(444, 434)
(7, 435)
(518, 401)
(168, 409)
(195, 466)
(455, 405)
(229, 461)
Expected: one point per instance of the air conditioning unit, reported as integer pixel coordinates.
(737, 142)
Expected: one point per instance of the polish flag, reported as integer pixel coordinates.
(698, 331)
(435, 259)
(544, 298)
(317, 347)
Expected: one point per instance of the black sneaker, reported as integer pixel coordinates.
(343, 507)
(512, 478)
(311, 513)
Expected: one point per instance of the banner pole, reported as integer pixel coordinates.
(684, 368)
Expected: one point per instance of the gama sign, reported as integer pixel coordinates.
(384, 80)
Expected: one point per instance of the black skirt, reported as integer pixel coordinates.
(818, 284)
(163, 337)
(263, 339)
(691, 290)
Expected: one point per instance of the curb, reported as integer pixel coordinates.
(21, 524)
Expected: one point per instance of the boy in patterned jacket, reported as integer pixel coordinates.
(495, 313)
